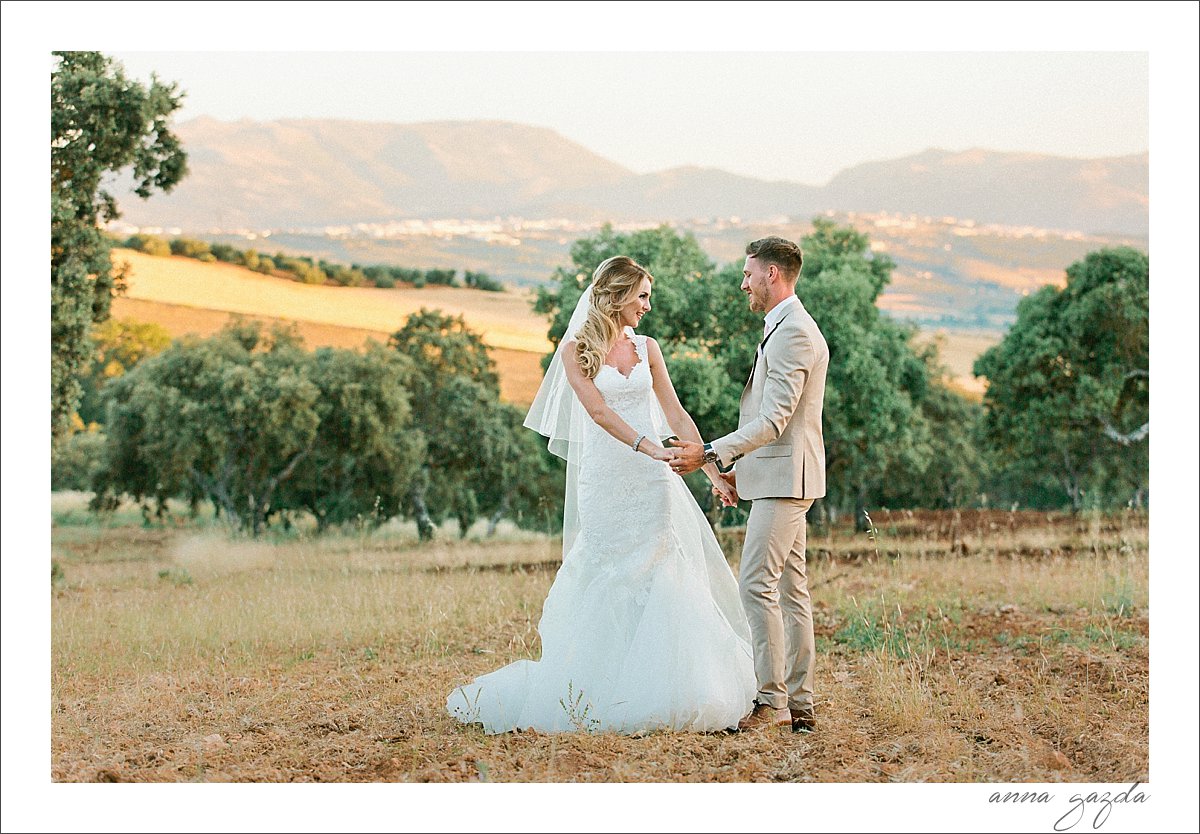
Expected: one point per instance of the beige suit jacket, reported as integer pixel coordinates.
(779, 447)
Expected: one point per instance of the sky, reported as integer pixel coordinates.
(801, 117)
(843, 100)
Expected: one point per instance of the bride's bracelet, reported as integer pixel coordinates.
(638, 442)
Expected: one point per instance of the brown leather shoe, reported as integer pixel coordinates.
(804, 720)
(763, 715)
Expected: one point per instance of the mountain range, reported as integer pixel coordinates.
(302, 173)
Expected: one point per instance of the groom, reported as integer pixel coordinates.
(780, 455)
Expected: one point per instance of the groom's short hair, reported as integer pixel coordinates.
(783, 253)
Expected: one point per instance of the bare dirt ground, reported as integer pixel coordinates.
(998, 647)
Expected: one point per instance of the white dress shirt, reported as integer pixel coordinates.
(776, 313)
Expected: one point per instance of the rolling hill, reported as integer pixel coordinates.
(186, 296)
(293, 174)
(189, 297)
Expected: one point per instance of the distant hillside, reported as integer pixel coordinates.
(186, 296)
(312, 173)
(303, 173)
(1096, 195)
(680, 194)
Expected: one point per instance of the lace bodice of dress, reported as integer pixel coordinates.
(630, 397)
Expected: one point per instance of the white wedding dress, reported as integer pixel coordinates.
(643, 628)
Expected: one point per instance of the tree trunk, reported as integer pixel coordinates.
(833, 512)
(1138, 501)
(217, 490)
(263, 506)
(494, 521)
(861, 524)
(819, 516)
(421, 512)
(1071, 484)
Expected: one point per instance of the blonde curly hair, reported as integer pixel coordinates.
(615, 283)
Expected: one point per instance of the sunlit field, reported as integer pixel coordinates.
(953, 647)
(186, 296)
(520, 371)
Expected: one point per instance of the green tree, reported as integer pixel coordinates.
(477, 457)
(101, 123)
(200, 250)
(957, 466)
(227, 418)
(73, 462)
(120, 344)
(149, 244)
(1069, 386)
(366, 451)
(482, 281)
(875, 430)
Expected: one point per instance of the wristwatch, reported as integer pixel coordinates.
(710, 454)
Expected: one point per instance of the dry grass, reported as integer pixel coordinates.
(505, 320)
(520, 371)
(180, 655)
(958, 352)
(188, 296)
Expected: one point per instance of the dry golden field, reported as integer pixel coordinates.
(958, 352)
(952, 647)
(520, 371)
(186, 296)
(503, 319)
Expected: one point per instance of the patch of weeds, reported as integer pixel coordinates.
(469, 714)
(58, 576)
(178, 577)
(1118, 603)
(577, 711)
(1108, 636)
(864, 631)
(952, 612)
(1092, 635)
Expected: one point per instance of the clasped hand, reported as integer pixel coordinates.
(655, 451)
(687, 456)
(725, 488)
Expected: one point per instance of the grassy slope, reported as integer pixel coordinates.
(186, 296)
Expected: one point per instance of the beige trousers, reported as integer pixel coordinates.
(774, 590)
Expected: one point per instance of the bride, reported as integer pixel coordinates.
(643, 628)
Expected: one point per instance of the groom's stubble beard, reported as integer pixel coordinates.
(758, 304)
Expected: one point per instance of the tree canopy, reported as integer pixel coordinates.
(101, 123)
(1069, 386)
(478, 458)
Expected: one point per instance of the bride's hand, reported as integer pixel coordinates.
(654, 450)
(724, 490)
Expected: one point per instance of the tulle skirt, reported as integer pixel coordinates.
(642, 629)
